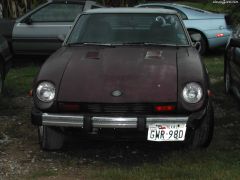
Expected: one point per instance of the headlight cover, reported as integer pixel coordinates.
(46, 92)
(192, 93)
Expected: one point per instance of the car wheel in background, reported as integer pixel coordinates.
(202, 136)
(203, 41)
(227, 79)
(50, 138)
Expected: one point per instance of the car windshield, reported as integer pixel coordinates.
(123, 28)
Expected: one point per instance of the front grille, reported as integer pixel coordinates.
(117, 108)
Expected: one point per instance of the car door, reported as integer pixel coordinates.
(37, 33)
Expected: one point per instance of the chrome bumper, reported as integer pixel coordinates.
(106, 122)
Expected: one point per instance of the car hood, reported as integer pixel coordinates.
(135, 74)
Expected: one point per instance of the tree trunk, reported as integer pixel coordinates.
(16, 8)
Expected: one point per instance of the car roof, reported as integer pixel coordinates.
(172, 5)
(130, 10)
(191, 12)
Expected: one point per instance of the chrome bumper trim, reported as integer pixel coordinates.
(154, 120)
(114, 122)
(105, 122)
(62, 120)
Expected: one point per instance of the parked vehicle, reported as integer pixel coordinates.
(214, 28)
(36, 33)
(138, 70)
(5, 61)
(232, 64)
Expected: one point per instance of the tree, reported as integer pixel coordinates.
(15, 8)
(120, 3)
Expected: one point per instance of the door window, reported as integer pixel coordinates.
(183, 16)
(57, 12)
(95, 7)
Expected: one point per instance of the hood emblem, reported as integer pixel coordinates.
(117, 93)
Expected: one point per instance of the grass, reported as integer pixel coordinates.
(19, 80)
(178, 165)
(42, 174)
(140, 161)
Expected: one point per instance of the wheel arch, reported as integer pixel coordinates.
(203, 35)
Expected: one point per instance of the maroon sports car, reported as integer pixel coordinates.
(125, 69)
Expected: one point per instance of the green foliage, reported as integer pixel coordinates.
(19, 80)
(208, 6)
(42, 174)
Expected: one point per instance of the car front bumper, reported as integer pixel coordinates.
(117, 122)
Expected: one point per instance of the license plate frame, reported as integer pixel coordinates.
(162, 132)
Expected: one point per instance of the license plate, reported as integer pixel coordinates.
(166, 132)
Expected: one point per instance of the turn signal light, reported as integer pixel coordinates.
(210, 93)
(30, 93)
(220, 35)
(164, 108)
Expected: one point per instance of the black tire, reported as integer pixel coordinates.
(1, 78)
(227, 79)
(50, 138)
(203, 45)
(202, 136)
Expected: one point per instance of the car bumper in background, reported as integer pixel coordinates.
(217, 42)
(217, 38)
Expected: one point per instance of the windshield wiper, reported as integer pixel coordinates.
(148, 44)
(89, 43)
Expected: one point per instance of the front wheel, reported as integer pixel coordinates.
(203, 43)
(202, 136)
(50, 138)
(227, 79)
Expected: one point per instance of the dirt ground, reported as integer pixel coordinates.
(20, 154)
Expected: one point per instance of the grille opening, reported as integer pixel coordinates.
(118, 108)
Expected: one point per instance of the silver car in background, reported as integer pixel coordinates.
(215, 28)
(37, 32)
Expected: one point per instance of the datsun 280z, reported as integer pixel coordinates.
(132, 69)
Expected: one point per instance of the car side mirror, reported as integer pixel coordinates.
(28, 21)
(61, 37)
(196, 37)
(235, 42)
